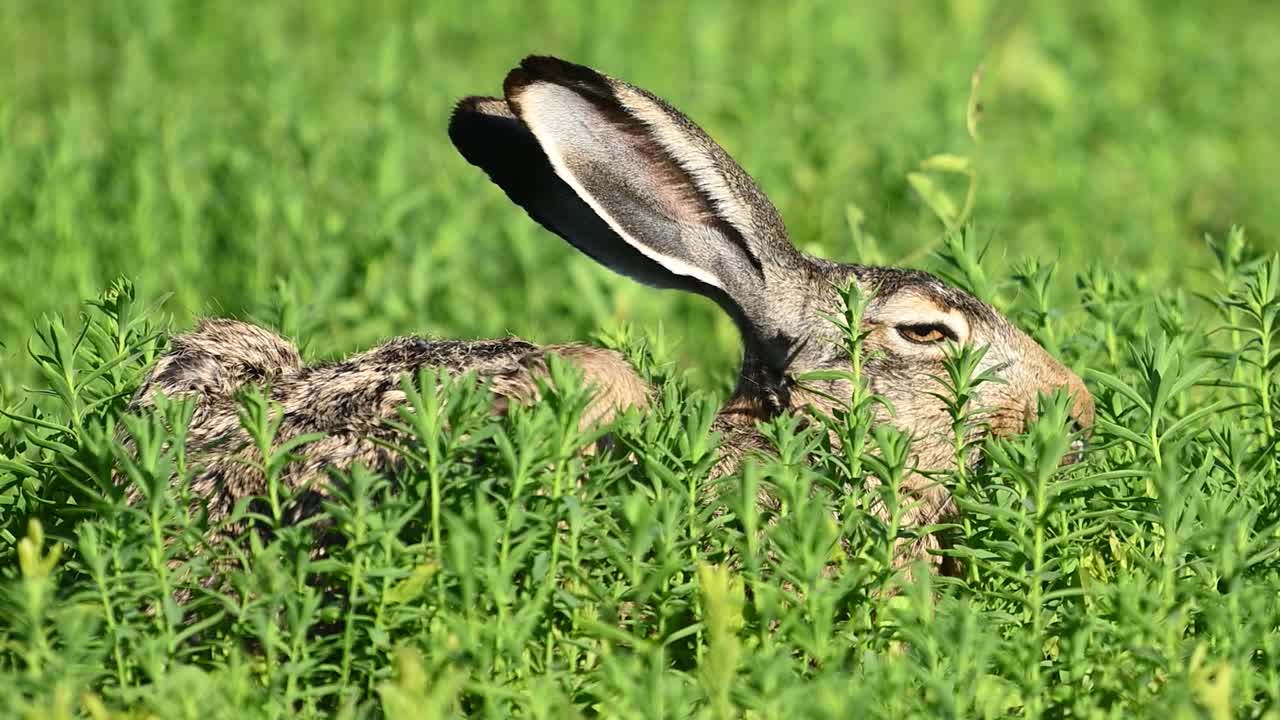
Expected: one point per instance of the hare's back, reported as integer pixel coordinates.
(360, 393)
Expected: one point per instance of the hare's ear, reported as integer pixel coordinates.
(628, 180)
(490, 137)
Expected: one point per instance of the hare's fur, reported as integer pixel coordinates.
(352, 402)
(637, 186)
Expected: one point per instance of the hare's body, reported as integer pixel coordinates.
(638, 187)
(353, 403)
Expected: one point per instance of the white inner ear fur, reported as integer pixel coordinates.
(560, 119)
(692, 159)
(907, 307)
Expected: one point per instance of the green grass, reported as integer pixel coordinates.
(287, 162)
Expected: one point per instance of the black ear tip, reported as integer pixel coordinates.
(465, 116)
(516, 81)
(466, 105)
(481, 105)
(475, 124)
(544, 66)
(551, 69)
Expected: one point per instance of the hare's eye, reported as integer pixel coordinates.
(926, 333)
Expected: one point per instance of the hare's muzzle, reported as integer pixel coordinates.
(1082, 414)
(1078, 445)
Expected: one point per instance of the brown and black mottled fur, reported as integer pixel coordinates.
(350, 402)
(637, 186)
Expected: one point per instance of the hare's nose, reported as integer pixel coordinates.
(1082, 409)
(1082, 414)
(1079, 443)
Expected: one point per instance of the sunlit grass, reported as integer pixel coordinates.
(287, 162)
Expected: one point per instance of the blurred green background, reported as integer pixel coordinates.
(288, 162)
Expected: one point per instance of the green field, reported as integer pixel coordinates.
(287, 163)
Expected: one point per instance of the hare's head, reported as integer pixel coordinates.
(634, 184)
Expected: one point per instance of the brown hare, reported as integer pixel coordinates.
(633, 183)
